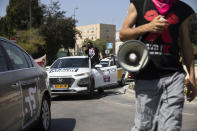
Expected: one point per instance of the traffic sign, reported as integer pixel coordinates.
(109, 45)
(107, 52)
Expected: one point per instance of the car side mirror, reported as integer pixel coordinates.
(98, 66)
(48, 67)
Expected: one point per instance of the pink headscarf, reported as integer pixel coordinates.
(163, 5)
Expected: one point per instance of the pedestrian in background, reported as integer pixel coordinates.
(159, 87)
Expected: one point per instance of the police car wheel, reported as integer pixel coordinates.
(122, 82)
(100, 90)
(91, 90)
(45, 115)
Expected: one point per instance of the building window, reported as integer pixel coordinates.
(107, 37)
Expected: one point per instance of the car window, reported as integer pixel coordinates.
(28, 60)
(117, 64)
(3, 63)
(16, 56)
(111, 63)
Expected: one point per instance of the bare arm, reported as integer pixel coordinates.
(128, 33)
(188, 57)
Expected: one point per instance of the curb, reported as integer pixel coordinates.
(127, 90)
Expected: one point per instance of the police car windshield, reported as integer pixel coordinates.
(105, 63)
(71, 63)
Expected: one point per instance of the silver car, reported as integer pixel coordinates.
(24, 94)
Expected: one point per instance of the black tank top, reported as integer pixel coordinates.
(163, 48)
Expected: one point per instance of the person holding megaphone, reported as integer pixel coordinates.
(151, 50)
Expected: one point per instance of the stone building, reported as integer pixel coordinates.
(96, 31)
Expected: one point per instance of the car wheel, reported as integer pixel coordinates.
(100, 90)
(45, 115)
(122, 82)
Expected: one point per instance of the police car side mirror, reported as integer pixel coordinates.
(98, 66)
(48, 67)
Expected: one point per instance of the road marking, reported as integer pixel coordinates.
(190, 103)
(107, 101)
(188, 114)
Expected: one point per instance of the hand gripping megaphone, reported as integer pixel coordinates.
(133, 55)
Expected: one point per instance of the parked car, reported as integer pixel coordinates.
(24, 95)
(129, 77)
(195, 62)
(74, 75)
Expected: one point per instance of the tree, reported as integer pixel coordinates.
(101, 45)
(31, 41)
(193, 29)
(18, 13)
(193, 33)
(3, 27)
(85, 42)
(18, 16)
(59, 31)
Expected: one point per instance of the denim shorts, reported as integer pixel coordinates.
(159, 103)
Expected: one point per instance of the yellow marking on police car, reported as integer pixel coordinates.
(119, 74)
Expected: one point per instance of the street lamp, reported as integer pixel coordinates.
(74, 12)
(75, 24)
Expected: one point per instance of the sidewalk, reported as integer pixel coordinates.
(194, 102)
(127, 89)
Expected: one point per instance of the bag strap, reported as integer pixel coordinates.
(144, 6)
(144, 9)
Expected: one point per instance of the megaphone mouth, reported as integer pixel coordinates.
(134, 61)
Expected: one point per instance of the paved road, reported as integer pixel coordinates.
(111, 111)
(190, 116)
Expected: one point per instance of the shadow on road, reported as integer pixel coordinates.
(63, 124)
(108, 92)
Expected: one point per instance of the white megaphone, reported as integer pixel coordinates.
(133, 55)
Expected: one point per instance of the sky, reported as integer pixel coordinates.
(94, 11)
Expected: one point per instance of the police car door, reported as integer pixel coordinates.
(113, 72)
(98, 77)
(109, 74)
(26, 76)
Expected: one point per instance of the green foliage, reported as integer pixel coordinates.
(18, 16)
(101, 45)
(193, 29)
(3, 28)
(59, 31)
(193, 33)
(18, 13)
(85, 42)
(30, 40)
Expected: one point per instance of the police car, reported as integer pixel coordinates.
(113, 62)
(74, 75)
